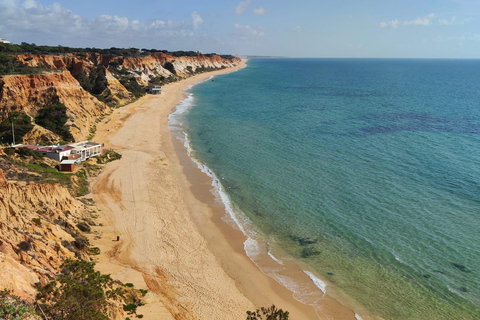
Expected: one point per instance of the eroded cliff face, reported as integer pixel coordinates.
(30, 93)
(155, 65)
(33, 243)
(90, 84)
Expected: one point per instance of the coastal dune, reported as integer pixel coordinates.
(170, 241)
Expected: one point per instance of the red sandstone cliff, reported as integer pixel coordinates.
(29, 93)
(66, 83)
(20, 207)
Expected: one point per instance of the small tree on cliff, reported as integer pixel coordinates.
(271, 313)
(78, 293)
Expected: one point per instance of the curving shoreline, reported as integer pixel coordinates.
(173, 240)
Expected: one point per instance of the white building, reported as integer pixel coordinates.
(153, 89)
(4, 41)
(86, 149)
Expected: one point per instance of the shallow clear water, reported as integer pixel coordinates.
(366, 170)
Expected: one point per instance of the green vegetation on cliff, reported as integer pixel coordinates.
(271, 313)
(9, 64)
(131, 84)
(78, 293)
(54, 118)
(22, 125)
(96, 82)
(12, 307)
(81, 293)
(32, 48)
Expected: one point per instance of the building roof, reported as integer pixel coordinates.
(68, 162)
(48, 149)
(83, 145)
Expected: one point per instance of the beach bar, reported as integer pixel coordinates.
(86, 149)
(153, 89)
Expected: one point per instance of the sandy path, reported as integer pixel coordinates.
(169, 239)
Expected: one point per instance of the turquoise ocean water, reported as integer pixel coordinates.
(366, 170)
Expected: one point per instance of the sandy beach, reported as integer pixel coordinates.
(173, 241)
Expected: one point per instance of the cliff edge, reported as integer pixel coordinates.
(89, 85)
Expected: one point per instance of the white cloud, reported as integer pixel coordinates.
(136, 25)
(28, 4)
(421, 21)
(250, 31)
(260, 11)
(30, 15)
(472, 36)
(458, 40)
(111, 24)
(454, 20)
(298, 29)
(427, 20)
(446, 22)
(242, 6)
(158, 23)
(390, 24)
(32, 21)
(196, 20)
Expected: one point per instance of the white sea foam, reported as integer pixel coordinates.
(238, 219)
(274, 258)
(302, 292)
(253, 245)
(318, 283)
(175, 118)
(358, 317)
(288, 283)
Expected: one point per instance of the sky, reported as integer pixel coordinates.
(300, 28)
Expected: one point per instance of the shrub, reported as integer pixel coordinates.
(131, 84)
(170, 67)
(82, 188)
(78, 293)
(22, 124)
(271, 313)
(114, 64)
(25, 152)
(84, 227)
(95, 83)
(24, 246)
(80, 243)
(54, 118)
(93, 251)
(9, 151)
(130, 308)
(108, 157)
(68, 245)
(12, 307)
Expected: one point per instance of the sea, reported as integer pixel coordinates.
(365, 172)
